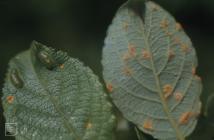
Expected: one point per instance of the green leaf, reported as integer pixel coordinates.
(149, 67)
(50, 95)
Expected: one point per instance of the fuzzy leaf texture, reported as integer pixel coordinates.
(150, 70)
(52, 96)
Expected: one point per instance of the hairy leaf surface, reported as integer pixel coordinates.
(51, 96)
(149, 69)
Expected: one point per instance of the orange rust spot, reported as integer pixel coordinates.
(184, 48)
(109, 87)
(171, 54)
(132, 50)
(184, 118)
(164, 23)
(146, 54)
(178, 27)
(193, 70)
(61, 66)
(127, 71)
(166, 95)
(148, 124)
(10, 99)
(167, 90)
(125, 26)
(178, 96)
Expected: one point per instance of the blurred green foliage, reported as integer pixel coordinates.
(79, 27)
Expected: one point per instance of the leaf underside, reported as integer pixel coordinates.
(52, 96)
(149, 67)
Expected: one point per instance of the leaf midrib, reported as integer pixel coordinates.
(70, 128)
(156, 75)
(157, 80)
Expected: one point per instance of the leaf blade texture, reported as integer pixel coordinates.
(50, 95)
(149, 67)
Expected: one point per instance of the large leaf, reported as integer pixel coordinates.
(149, 67)
(51, 96)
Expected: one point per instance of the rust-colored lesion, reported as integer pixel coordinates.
(148, 124)
(178, 96)
(184, 47)
(132, 50)
(185, 117)
(164, 23)
(10, 99)
(109, 87)
(146, 54)
(175, 39)
(167, 90)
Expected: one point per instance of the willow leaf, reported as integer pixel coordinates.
(51, 96)
(149, 67)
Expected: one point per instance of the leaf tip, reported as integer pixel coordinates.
(184, 118)
(137, 6)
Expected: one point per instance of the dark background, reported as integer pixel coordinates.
(79, 27)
